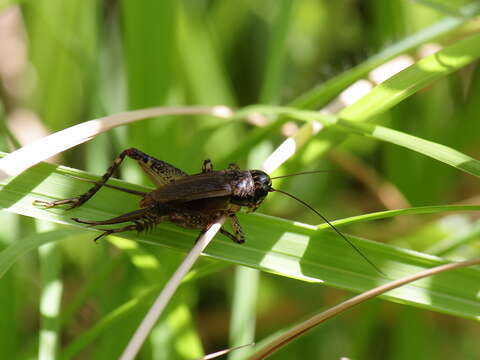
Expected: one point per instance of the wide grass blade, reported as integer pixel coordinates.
(275, 245)
(326, 91)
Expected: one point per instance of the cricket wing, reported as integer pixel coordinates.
(193, 187)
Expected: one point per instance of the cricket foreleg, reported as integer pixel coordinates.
(228, 234)
(233, 166)
(235, 238)
(207, 166)
(237, 228)
(200, 234)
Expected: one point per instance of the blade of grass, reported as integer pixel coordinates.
(167, 292)
(398, 212)
(44, 148)
(149, 62)
(276, 54)
(118, 315)
(279, 246)
(412, 79)
(317, 319)
(399, 87)
(93, 283)
(242, 321)
(15, 251)
(243, 318)
(434, 150)
(326, 91)
(50, 299)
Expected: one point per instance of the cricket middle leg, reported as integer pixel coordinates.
(239, 236)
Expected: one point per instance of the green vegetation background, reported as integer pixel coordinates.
(88, 59)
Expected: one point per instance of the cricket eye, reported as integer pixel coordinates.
(261, 180)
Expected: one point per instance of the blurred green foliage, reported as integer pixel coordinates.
(82, 59)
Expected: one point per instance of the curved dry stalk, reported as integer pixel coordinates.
(315, 320)
(224, 352)
(167, 292)
(48, 146)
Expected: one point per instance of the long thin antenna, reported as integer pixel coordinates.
(334, 228)
(300, 173)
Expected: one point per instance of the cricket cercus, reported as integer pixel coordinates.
(190, 201)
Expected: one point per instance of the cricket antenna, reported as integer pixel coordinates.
(300, 173)
(334, 228)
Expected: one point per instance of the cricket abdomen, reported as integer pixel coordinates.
(190, 220)
(199, 214)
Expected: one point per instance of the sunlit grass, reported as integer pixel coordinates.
(86, 60)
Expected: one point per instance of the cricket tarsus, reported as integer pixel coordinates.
(113, 231)
(334, 228)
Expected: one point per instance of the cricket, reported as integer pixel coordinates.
(190, 201)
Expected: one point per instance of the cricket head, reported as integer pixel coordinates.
(262, 184)
(251, 190)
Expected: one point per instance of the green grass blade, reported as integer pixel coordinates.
(278, 246)
(15, 251)
(242, 322)
(149, 62)
(412, 79)
(432, 149)
(276, 54)
(326, 91)
(50, 299)
(93, 283)
(397, 88)
(398, 212)
(128, 308)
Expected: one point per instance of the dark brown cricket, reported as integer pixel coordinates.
(190, 201)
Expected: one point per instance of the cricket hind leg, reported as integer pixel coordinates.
(143, 220)
(159, 171)
(81, 199)
(117, 230)
(137, 215)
